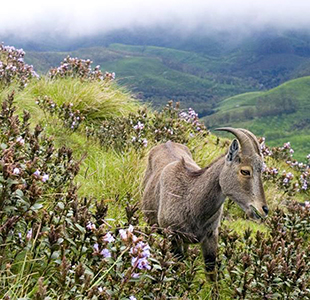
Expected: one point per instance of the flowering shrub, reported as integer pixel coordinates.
(71, 118)
(289, 182)
(13, 67)
(137, 129)
(79, 68)
(53, 244)
(269, 266)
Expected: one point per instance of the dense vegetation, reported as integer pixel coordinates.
(73, 153)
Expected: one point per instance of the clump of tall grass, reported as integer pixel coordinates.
(96, 100)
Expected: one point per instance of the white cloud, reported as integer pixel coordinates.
(87, 17)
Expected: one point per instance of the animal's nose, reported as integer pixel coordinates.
(265, 209)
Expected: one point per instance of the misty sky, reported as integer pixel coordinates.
(79, 18)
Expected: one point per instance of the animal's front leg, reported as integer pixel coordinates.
(178, 247)
(209, 249)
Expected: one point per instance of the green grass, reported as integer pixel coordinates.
(277, 129)
(113, 176)
(95, 100)
(158, 74)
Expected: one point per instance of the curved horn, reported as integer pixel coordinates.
(247, 146)
(253, 139)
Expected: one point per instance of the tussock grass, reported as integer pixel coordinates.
(96, 100)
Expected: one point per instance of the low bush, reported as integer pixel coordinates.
(13, 68)
(273, 265)
(54, 244)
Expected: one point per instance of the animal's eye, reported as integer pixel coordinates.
(245, 172)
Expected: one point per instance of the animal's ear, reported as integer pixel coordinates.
(233, 151)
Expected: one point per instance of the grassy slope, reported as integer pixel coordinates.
(111, 175)
(277, 129)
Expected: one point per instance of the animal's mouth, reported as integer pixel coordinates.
(256, 213)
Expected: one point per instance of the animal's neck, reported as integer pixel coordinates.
(210, 197)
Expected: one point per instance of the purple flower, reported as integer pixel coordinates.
(305, 185)
(140, 263)
(132, 298)
(96, 247)
(142, 249)
(135, 275)
(105, 253)
(126, 233)
(144, 142)
(289, 175)
(90, 226)
(45, 177)
(108, 238)
(139, 126)
(123, 234)
(37, 173)
(29, 234)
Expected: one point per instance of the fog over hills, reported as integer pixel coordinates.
(65, 24)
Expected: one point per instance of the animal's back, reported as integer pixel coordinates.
(160, 156)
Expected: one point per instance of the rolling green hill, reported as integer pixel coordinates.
(198, 71)
(281, 114)
(158, 74)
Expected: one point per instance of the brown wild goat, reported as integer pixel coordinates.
(179, 195)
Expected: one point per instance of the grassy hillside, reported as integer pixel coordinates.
(72, 224)
(195, 75)
(280, 114)
(157, 74)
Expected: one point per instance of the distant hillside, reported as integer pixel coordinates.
(281, 114)
(158, 74)
(198, 70)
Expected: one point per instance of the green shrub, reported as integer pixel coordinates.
(273, 265)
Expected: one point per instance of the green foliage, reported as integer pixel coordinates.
(70, 220)
(137, 130)
(54, 244)
(269, 265)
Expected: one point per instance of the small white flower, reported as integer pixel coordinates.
(20, 140)
(29, 234)
(91, 226)
(16, 171)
